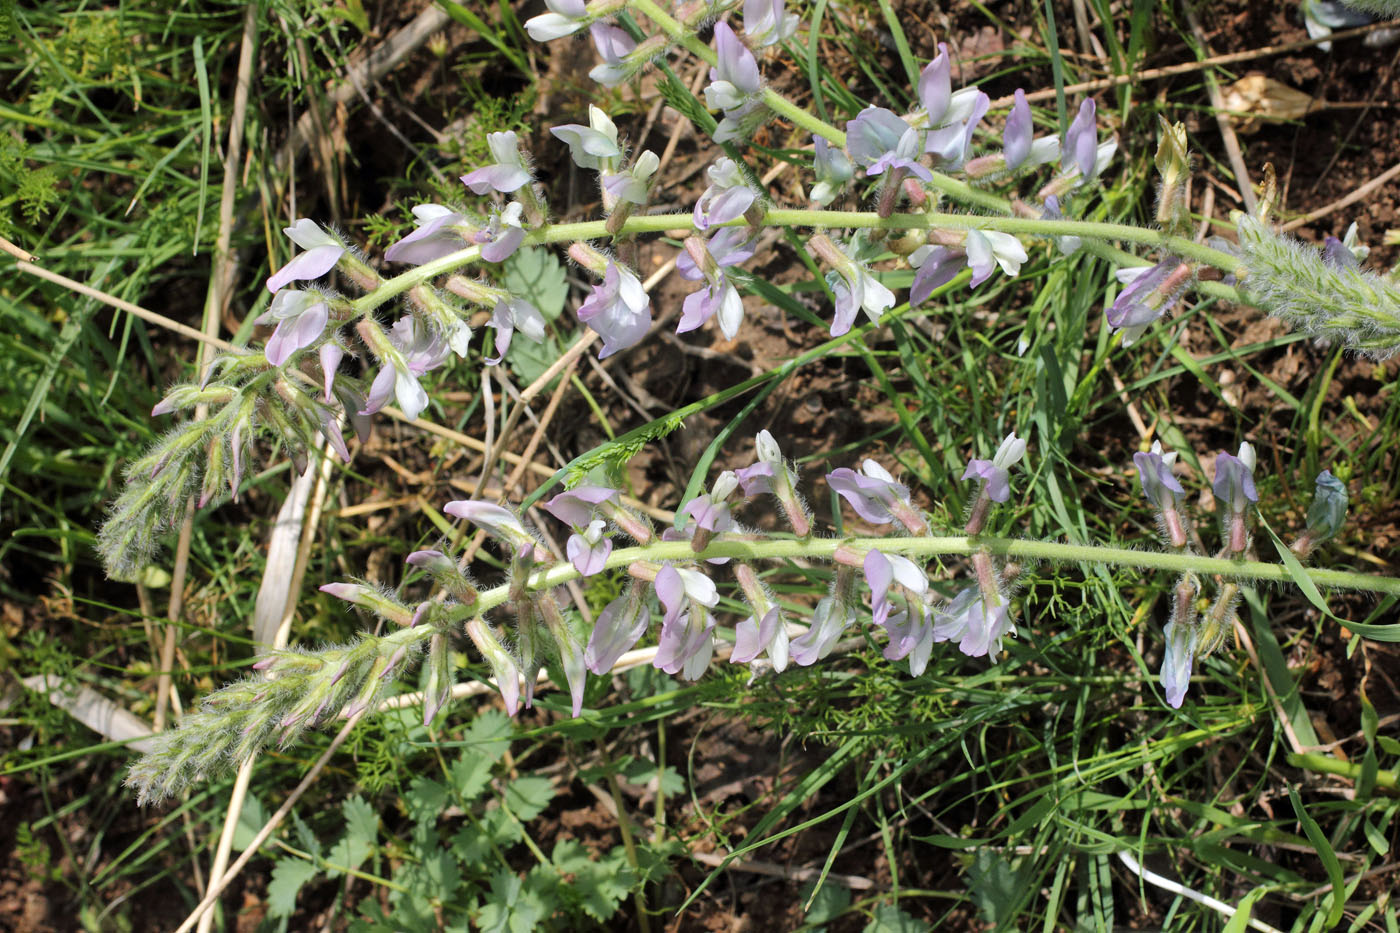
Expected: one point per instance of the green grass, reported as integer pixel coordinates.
(977, 795)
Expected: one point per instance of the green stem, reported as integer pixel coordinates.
(658, 223)
(1326, 764)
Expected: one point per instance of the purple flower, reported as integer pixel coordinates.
(618, 310)
(977, 628)
(411, 350)
(884, 570)
(507, 173)
(497, 521)
(910, 633)
(710, 510)
(1234, 479)
(1082, 140)
(995, 473)
(578, 506)
(833, 169)
(936, 87)
(765, 24)
(734, 85)
(614, 45)
(436, 236)
(503, 664)
(565, 17)
(621, 623)
(952, 141)
(1176, 663)
(1151, 293)
(594, 146)
(634, 183)
(727, 248)
(987, 249)
(830, 618)
(879, 140)
(727, 197)
(331, 354)
(876, 497)
(1016, 141)
(510, 315)
(322, 251)
(300, 318)
(755, 635)
(589, 549)
(1154, 468)
(852, 285)
(503, 235)
(687, 631)
(772, 475)
(934, 266)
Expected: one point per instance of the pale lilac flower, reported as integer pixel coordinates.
(1176, 663)
(503, 664)
(729, 247)
(910, 634)
(330, 429)
(579, 506)
(833, 169)
(934, 266)
(765, 23)
(987, 249)
(936, 87)
(437, 235)
(995, 473)
(503, 235)
(621, 623)
(614, 45)
(565, 17)
(1018, 146)
(687, 631)
(854, 287)
(634, 183)
(829, 620)
(508, 173)
(879, 140)
(413, 349)
(771, 474)
(734, 85)
(885, 570)
(300, 317)
(594, 146)
(1082, 140)
(498, 521)
(510, 315)
(1338, 256)
(618, 310)
(952, 142)
(977, 629)
(331, 354)
(1151, 293)
(710, 510)
(322, 251)
(589, 549)
(1154, 468)
(875, 495)
(755, 635)
(727, 197)
(1320, 17)
(1234, 479)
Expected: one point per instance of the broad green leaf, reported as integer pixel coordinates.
(288, 875)
(528, 796)
(536, 275)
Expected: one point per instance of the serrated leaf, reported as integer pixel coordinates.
(528, 796)
(477, 843)
(597, 885)
(537, 276)
(361, 833)
(425, 800)
(529, 360)
(288, 875)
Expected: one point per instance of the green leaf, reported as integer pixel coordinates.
(1240, 921)
(830, 902)
(995, 886)
(361, 833)
(425, 800)
(528, 796)
(597, 885)
(537, 276)
(888, 918)
(1326, 855)
(288, 875)
(251, 819)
